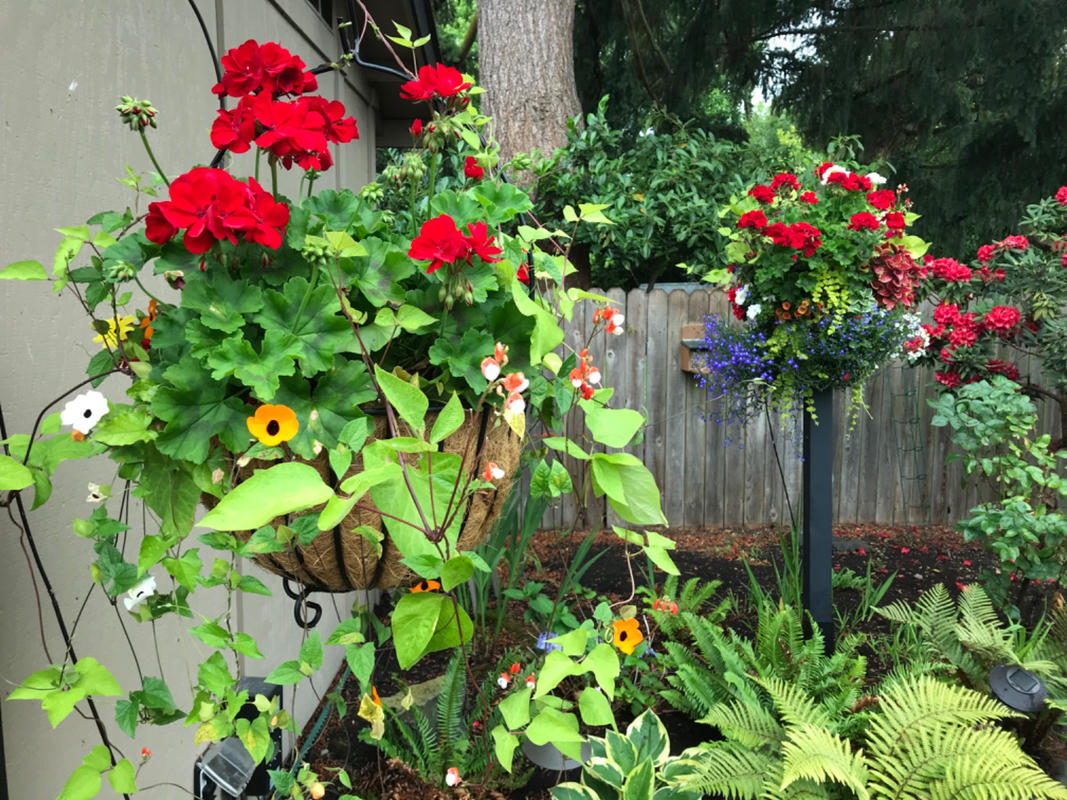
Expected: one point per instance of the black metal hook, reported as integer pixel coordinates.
(301, 604)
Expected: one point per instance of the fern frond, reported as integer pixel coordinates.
(794, 704)
(450, 707)
(751, 725)
(909, 707)
(812, 752)
(976, 777)
(731, 771)
(980, 630)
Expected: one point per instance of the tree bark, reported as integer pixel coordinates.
(526, 65)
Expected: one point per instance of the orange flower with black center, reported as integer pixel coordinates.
(627, 634)
(426, 586)
(273, 425)
(149, 318)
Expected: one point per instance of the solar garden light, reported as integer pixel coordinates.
(1023, 691)
(227, 765)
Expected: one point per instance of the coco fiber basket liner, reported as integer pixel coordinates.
(342, 559)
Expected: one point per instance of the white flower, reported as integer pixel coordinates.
(490, 368)
(617, 319)
(84, 411)
(98, 493)
(741, 295)
(753, 310)
(503, 681)
(593, 376)
(139, 593)
(876, 179)
(834, 168)
(530, 683)
(515, 404)
(452, 776)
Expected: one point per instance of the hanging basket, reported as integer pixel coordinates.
(342, 559)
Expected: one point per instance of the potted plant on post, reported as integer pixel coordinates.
(344, 378)
(823, 277)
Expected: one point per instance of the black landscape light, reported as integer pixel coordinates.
(1017, 688)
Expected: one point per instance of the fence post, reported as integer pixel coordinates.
(817, 549)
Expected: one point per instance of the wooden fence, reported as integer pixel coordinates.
(889, 468)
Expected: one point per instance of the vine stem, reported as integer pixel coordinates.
(152, 156)
(56, 610)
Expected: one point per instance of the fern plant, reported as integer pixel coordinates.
(718, 666)
(921, 740)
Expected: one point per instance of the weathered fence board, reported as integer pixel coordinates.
(889, 467)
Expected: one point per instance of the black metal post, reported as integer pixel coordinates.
(818, 515)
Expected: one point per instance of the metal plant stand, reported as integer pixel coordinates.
(818, 516)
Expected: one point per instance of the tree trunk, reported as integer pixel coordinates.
(526, 65)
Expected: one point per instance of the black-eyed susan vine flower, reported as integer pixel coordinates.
(118, 328)
(426, 586)
(627, 634)
(273, 425)
(83, 412)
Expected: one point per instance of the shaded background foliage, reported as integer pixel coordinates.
(965, 99)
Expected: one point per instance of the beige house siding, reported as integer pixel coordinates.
(65, 64)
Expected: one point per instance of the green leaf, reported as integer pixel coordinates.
(551, 725)
(282, 489)
(408, 400)
(457, 570)
(639, 782)
(594, 707)
(24, 271)
(448, 420)
(603, 662)
(185, 570)
(413, 622)
(152, 549)
(612, 427)
(253, 585)
(311, 650)
(243, 643)
(312, 317)
(122, 778)
(82, 784)
(649, 737)
(640, 503)
(13, 476)
(515, 708)
(261, 372)
(661, 558)
(450, 630)
(504, 744)
(288, 672)
(126, 427)
(127, 716)
(211, 633)
(572, 642)
(256, 737)
(557, 667)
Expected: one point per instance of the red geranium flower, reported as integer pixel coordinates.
(439, 81)
(809, 197)
(785, 179)
(416, 129)
(753, 219)
(472, 170)
(482, 244)
(439, 242)
(803, 236)
(894, 220)
(763, 194)
(269, 68)
(1061, 195)
(882, 199)
(864, 220)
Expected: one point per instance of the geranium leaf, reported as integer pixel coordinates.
(262, 371)
(223, 303)
(312, 317)
(197, 408)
